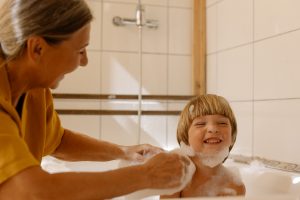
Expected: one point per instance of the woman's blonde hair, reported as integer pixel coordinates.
(54, 20)
(202, 105)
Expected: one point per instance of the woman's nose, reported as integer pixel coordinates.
(84, 60)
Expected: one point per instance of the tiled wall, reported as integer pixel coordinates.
(116, 67)
(253, 60)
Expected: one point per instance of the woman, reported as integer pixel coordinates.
(40, 42)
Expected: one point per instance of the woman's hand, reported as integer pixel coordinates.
(166, 170)
(140, 152)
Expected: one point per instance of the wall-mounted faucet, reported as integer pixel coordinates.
(139, 20)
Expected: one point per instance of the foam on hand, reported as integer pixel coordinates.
(188, 173)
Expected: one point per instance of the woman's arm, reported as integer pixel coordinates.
(79, 147)
(162, 171)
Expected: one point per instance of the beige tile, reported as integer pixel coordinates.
(95, 36)
(211, 29)
(180, 75)
(121, 130)
(144, 2)
(274, 17)
(85, 124)
(154, 72)
(119, 38)
(235, 73)
(155, 2)
(235, 19)
(276, 132)
(83, 79)
(181, 3)
(180, 31)
(155, 40)
(244, 116)
(211, 2)
(211, 74)
(276, 67)
(153, 130)
(120, 73)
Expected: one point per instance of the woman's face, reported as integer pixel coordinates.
(66, 57)
(210, 134)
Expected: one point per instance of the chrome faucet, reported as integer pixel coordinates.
(139, 20)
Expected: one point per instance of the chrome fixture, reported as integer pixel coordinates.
(139, 20)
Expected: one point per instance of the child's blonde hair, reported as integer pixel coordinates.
(208, 104)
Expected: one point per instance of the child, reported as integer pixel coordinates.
(207, 125)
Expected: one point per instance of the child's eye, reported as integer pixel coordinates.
(200, 123)
(223, 123)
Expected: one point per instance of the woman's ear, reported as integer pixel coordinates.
(35, 48)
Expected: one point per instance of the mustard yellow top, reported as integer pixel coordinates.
(24, 141)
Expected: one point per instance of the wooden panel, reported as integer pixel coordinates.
(199, 47)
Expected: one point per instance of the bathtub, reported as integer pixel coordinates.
(262, 183)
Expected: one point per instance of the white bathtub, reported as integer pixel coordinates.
(261, 183)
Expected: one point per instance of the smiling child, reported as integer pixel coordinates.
(207, 125)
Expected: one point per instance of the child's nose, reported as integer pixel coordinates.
(213, 128)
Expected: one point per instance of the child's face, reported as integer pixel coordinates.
(210, 133)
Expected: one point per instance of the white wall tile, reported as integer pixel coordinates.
(211, 74)
(277, 67)
(172, 131)
(76, 104)
(233, 62)
(120, 73)
(83, 79)
(243, 112)
(181, 3)
(155, 40)
(121, 1)
(85, 124)
(180, 75)
(154, 70)
(120, 129)
(119, 38)
(276, 130)
(177, 106)
(235, 19)
(155, 2)
(211, 29)
(274, 17)
(120, 105)
(180, 31)
(144, 2)
(154, 105)
(211, 2)
(95, 36)
(154, 130)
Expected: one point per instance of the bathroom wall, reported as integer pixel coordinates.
(115, 67)
(253, 60)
